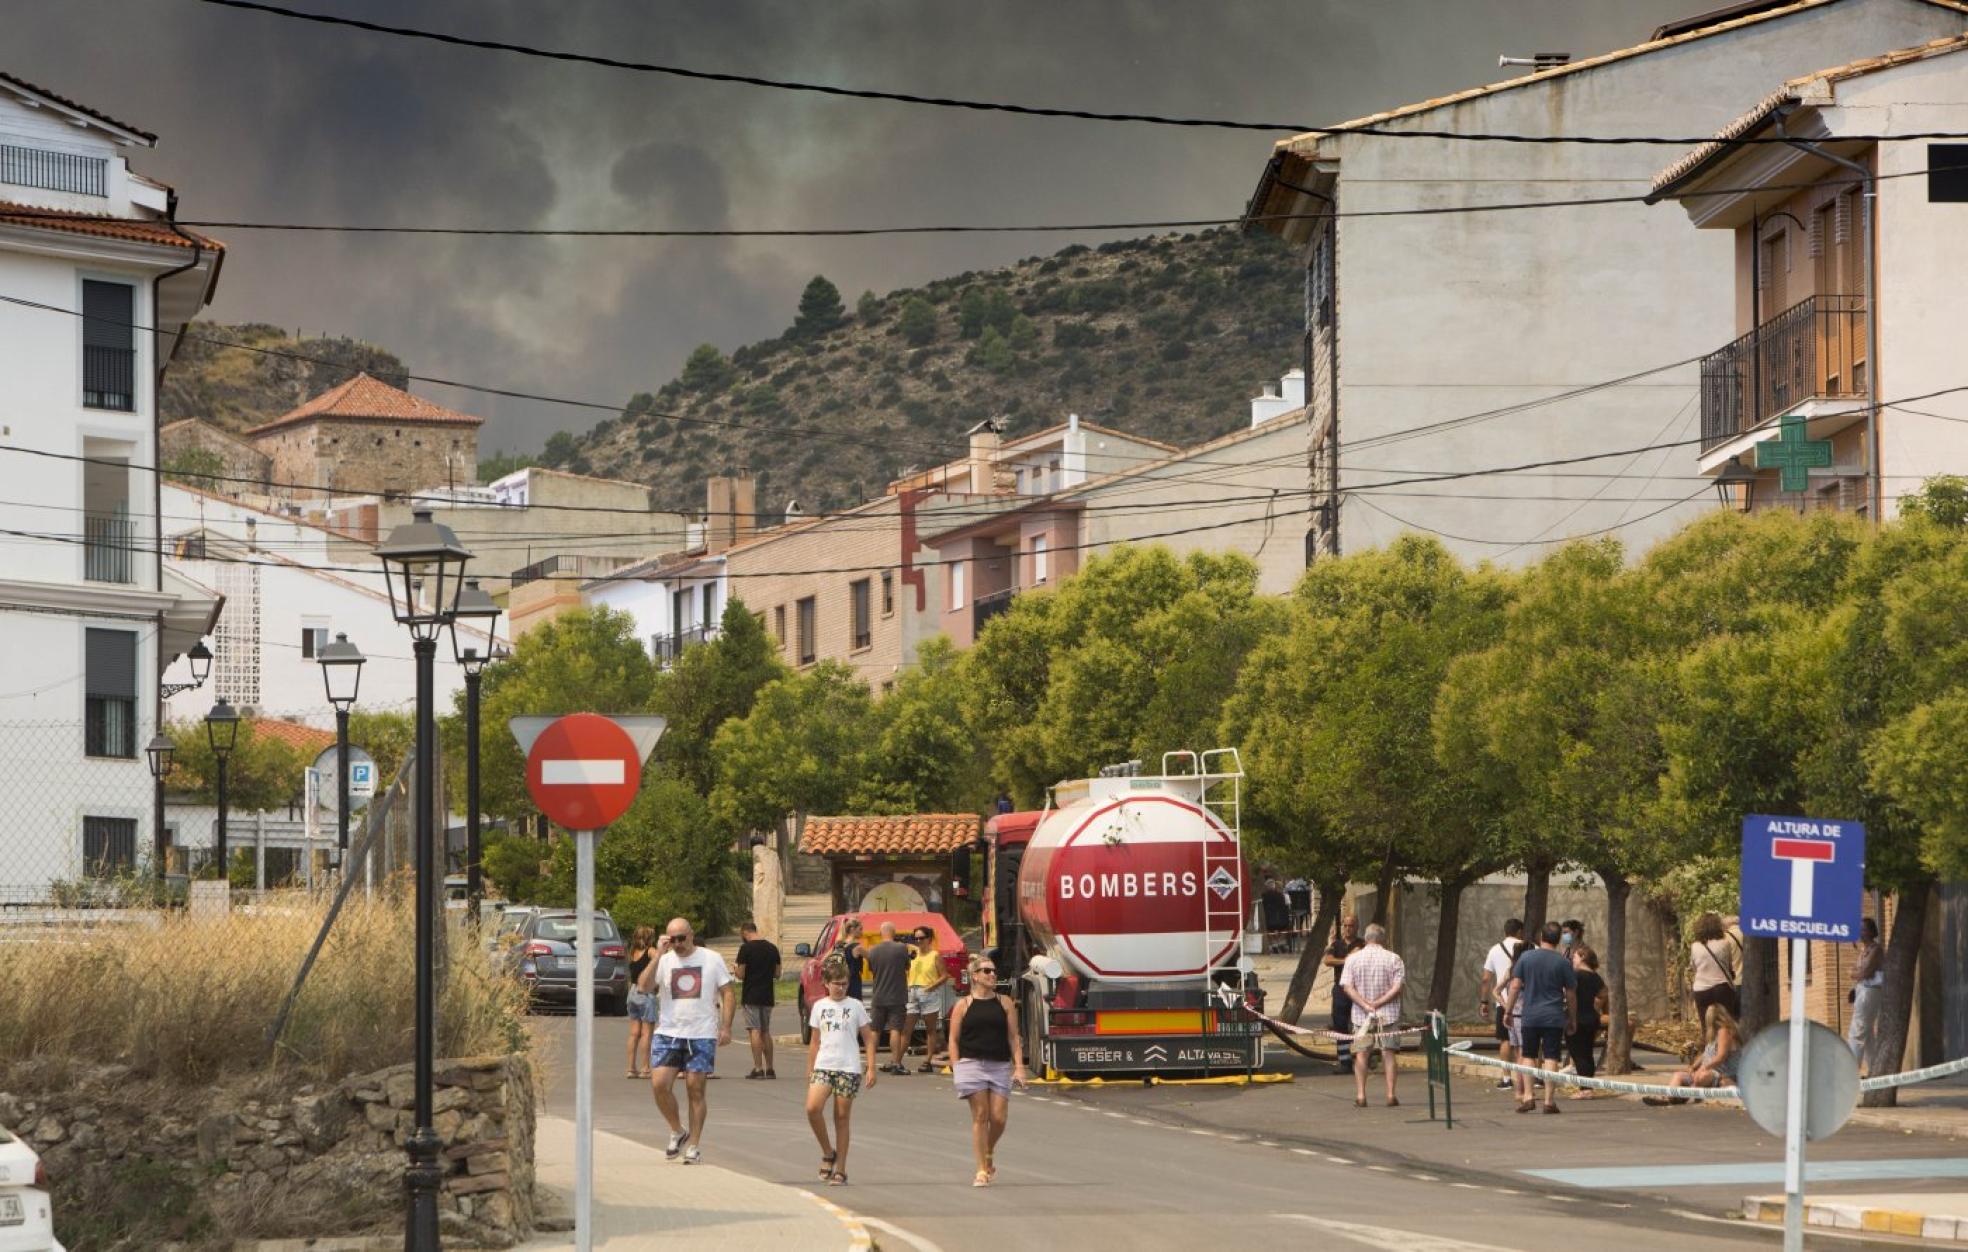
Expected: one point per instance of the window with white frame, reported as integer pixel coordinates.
(1038, 559)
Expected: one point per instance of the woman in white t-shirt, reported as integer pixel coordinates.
(835, 1066)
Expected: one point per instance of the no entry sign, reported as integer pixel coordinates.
(583, 771)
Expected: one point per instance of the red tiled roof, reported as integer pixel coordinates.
(308, 739)
(64, 101)
(134, 229)
(925, 834)
(363, 398)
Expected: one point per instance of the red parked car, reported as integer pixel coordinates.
(950, 945)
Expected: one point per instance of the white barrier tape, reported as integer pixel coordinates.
(1460, 1051)
(1912, 1076)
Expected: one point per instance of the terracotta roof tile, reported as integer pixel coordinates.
(913, 834)
(79, 107)
(307, 739)
(1802, 89)
(134, 229)
(365, 398)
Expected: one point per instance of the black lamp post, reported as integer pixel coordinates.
(200, 658)
(1736, 485)
(159, 752)
(222, 732)
(341, 673)
(476, 607)
(423, 565)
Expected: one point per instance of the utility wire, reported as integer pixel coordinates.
(831, 232)
(992, 106)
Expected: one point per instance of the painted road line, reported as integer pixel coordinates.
(1390, 1238)
(1748, 1173)
(909, 1237)
(858, 1238)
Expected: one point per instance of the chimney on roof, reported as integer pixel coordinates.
(986, 441)
(793, 511)
(1537, 61)
(1279, 398)
(730, 510)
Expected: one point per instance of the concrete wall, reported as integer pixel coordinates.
(1447, 316)
(247, 467)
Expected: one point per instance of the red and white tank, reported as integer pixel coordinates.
(1133, 879)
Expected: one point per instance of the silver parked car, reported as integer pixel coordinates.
(542, 956)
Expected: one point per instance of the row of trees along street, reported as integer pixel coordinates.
(1400, 715)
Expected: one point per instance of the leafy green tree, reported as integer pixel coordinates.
(709, 685)
(263, 772)
(389, 737)
(560, 451)
(500, 464)
(1942, 500)
(868, 309)
(799, 751)
(918, 322)
(1023, 335)
(923, 757)
(999, 311)
(1131, 657)
(994, 352)
(707, 369)
(666, 857)
(515, 865)
(820, 309)
(971, 310)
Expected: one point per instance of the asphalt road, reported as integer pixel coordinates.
(1186, 1167)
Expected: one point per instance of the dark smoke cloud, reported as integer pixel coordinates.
(269, 119)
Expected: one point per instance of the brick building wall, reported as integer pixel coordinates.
(764, 574)
(357, 456)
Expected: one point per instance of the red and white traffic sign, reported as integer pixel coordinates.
(583, 771)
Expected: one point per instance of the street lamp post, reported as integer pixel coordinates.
(222, 732)
(1735, 486)
(200, 659)
(423, 564)
(341, 673)
(159, 752)
(475, 607)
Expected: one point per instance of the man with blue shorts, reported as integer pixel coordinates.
(693, 1017)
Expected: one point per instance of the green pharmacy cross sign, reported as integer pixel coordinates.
(1794, 453)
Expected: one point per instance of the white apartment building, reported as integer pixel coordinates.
(96, 285)
(1465, 340)
(676, 599)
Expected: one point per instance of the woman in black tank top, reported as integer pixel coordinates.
(987, 1055)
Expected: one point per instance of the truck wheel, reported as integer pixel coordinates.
(806, 1027)
(1028, 1011)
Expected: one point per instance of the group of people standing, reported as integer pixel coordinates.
(1546, 1002)
(683, 1005)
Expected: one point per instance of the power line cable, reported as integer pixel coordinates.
(991, 106)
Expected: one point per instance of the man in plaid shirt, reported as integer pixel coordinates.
(1373, 977)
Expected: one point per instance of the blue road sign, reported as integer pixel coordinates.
(1802, 878)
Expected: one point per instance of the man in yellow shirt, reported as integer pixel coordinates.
(929, 987)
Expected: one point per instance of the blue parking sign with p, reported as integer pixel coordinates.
(361, 773)
(1802, 878)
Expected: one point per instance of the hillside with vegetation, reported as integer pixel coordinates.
(237, 388)
(1167, 336)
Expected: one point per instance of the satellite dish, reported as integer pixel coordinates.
(1763, 1077)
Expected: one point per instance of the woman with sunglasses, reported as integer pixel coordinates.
(986, 1057)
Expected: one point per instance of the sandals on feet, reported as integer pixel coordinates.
(837, 1179)
(983, 1179)
(826, 1166)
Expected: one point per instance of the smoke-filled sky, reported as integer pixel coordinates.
(265, 118)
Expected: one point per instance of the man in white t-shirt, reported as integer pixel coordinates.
(1497, 963)
(693, 1017)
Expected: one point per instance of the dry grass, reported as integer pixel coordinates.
(191, 1000)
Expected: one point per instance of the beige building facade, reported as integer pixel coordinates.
(365, 437)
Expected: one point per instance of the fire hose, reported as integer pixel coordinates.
(1285, 1030)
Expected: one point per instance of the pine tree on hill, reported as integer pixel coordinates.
(820, 309)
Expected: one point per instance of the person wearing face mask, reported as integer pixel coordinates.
(693, 1017)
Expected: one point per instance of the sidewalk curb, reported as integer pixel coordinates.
(858, 1238)
(1831, 1214)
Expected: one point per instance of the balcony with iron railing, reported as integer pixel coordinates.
(667, 648)
(108, 548)
(988, 606)
(1813, 350)
(109, 378)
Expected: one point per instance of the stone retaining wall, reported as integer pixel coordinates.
(135, 1164)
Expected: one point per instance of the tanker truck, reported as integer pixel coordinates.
(1117, 913)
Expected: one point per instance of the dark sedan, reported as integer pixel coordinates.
(543, 955)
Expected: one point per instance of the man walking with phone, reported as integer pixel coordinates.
(693, 1017)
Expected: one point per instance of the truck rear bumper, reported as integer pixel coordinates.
(1149, 1054)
